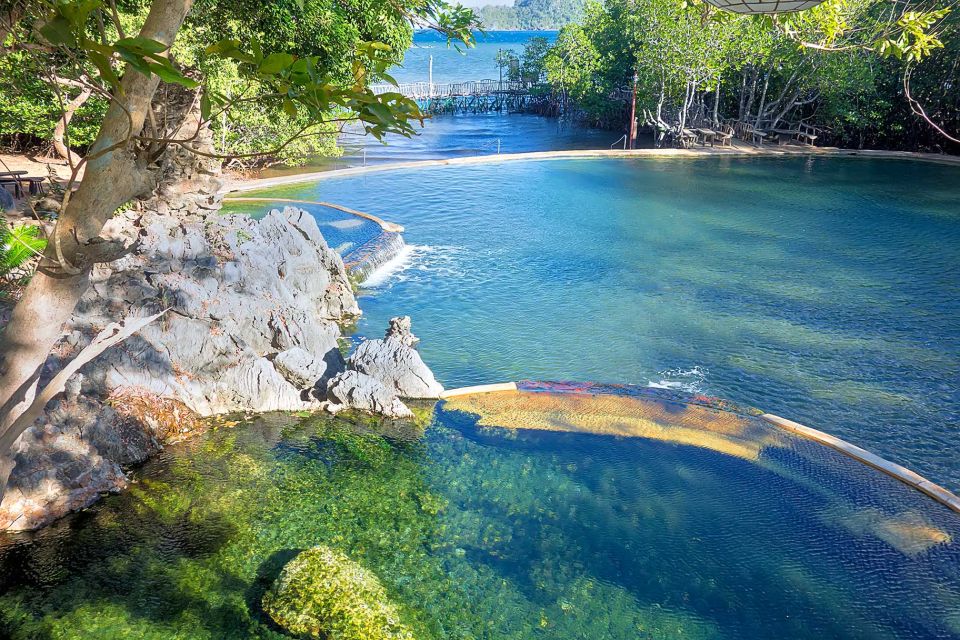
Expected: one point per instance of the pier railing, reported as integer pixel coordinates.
(432, 90)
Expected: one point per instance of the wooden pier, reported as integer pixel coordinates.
(478, 96)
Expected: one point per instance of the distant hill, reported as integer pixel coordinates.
(532, 14)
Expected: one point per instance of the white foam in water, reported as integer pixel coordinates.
(689, 380)
(392, 267)
(412, 260)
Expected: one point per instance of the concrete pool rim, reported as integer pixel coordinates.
(892, 469)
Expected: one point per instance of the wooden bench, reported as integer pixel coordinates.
(686, 138)
(18, 178)
(724, 135)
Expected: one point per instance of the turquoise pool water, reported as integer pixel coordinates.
(825, 290)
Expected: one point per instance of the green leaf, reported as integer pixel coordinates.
(168, 73)
(275, 63)
(222, 46)
(59, 31)
(144, 45)
(102, 63)
(205, 107)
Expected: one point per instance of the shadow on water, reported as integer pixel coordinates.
(267, 573)
(125, 558)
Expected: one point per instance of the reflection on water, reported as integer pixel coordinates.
(461, 135)
(491, 533)
(825, 290)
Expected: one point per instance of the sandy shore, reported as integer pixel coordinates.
(739, 149)
(36, 165)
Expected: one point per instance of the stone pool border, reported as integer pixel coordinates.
(389, 227)
(738, 151)
(892, 469)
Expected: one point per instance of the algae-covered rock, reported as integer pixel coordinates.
(324, 594)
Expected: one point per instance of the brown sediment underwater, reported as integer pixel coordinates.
(908, 532)
(624, 416)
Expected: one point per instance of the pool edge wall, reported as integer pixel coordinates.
(867, 458)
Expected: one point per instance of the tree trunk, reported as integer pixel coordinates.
(60, 131)
(755, 77)
(716, 105)
(763, 99)
(743, 95)
(110, 180)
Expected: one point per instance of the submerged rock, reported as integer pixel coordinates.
(395, 363)
(355, 390)
(323, 594)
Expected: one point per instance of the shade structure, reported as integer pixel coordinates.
(764, 6)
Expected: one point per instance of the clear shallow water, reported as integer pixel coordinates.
(824, 290)
(485, 533)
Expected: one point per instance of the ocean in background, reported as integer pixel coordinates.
(451, 65)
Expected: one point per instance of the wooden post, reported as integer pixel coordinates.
(633, 112)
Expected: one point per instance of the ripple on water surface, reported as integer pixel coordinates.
(690, 523)
(826, 290)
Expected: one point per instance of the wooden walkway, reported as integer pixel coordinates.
(476, 96)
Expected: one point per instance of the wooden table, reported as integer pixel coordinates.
(17, 178)
(13, 177)
(707, 133)
(784, 135)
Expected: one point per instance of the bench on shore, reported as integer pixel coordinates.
(801, 132)
(18, 178)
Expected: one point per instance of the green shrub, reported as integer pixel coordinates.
(323, 594)
(18, 244)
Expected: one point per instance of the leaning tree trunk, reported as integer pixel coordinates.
(116, 174)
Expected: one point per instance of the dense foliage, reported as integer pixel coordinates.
(840, 66)
(335, 36)
(532, 14)
(19, 245)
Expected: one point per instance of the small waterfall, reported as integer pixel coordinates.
(365, 259)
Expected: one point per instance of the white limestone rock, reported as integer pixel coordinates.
(395, 363)
(355, 390)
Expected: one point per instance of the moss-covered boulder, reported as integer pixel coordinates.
(324, 594)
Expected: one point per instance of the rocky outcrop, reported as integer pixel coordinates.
(352, 389)
(252, 326)
(394, 361)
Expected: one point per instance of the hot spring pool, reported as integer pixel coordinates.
(822, 290)
(825, 290)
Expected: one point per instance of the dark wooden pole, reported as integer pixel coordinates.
(633, 113)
